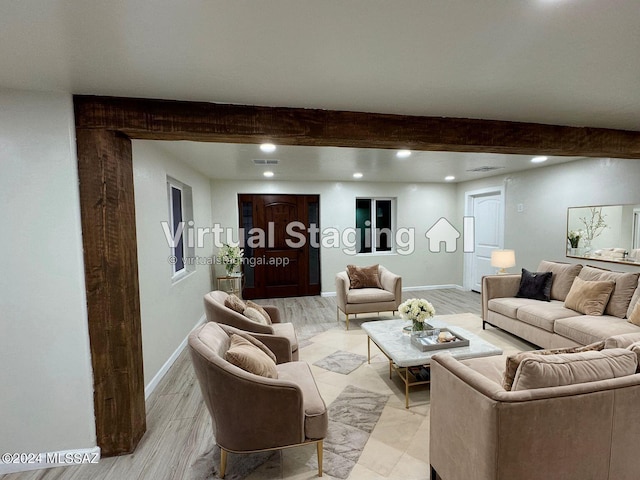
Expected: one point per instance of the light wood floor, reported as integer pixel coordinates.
(178, 425)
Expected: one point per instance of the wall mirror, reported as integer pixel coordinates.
(609, 233)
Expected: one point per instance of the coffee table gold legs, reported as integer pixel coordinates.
(368, 350)
(406, 391)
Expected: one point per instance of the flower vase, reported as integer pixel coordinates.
(416, 327)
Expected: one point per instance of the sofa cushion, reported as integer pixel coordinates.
(563, 275)
(234, 303)
(250, 358)
(508, 306)
(262, 311)
(364, 277)
(586, 329)
(535, 285)
(544, 315)
(315, 411)
(369, 295)
(513, 361)
(589, 297)
(625, 286)
(541, 371)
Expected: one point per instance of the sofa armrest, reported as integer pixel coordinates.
(498, 286)
(622, 341)
(342, 289)
(391, 283)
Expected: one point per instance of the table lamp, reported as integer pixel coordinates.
(503, 259)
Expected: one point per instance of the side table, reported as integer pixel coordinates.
(231, 284)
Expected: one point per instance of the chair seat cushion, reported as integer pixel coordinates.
(369, 295)
(316, 419)
(288, 331)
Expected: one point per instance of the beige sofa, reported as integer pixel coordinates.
(585, 430)
(551, 324)
(368, 300)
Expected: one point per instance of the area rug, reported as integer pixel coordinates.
(341, 362)
(352, 417)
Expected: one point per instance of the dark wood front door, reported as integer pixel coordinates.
(281, 245)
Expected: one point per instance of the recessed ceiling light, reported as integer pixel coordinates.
(539, 159)
(403, 153)
(357, 175)
(268, 147)
(448, 178)
(268, 173)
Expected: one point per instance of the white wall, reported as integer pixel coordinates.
(169, 310)
(418, 206)
(539, 231)
(46, 384)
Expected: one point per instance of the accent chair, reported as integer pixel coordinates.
(385, 298)
(250, 412)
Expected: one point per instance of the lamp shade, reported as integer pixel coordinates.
(503, 259)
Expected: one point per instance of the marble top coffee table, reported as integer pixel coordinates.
(389, 337)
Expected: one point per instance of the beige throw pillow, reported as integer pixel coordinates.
(234, 303)
(513, 361)
(626, 283)
(254, 315)
(635, 315)
(364, 277)
(539, 371)
(589, 297)
(250, 358)
(262, 311)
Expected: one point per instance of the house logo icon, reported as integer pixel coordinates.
(443, 232)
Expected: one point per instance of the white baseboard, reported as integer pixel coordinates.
(411, 289)
(433, 287)
(148, 390)
(63, 458)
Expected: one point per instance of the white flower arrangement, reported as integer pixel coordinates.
(574, 238)
(230, 257)
(417, 310)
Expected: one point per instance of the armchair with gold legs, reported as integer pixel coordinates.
(250, 412)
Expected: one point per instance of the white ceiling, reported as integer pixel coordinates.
(296, 163)
(567, 62)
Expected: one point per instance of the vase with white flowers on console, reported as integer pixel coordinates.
(419, 311)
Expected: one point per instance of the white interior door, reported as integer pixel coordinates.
(487, 208)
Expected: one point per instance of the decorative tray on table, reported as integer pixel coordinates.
(429, 340)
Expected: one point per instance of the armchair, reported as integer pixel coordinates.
(279, 337)
(251, 413)
(368, 300)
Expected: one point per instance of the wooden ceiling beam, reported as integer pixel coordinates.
(211, 122)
